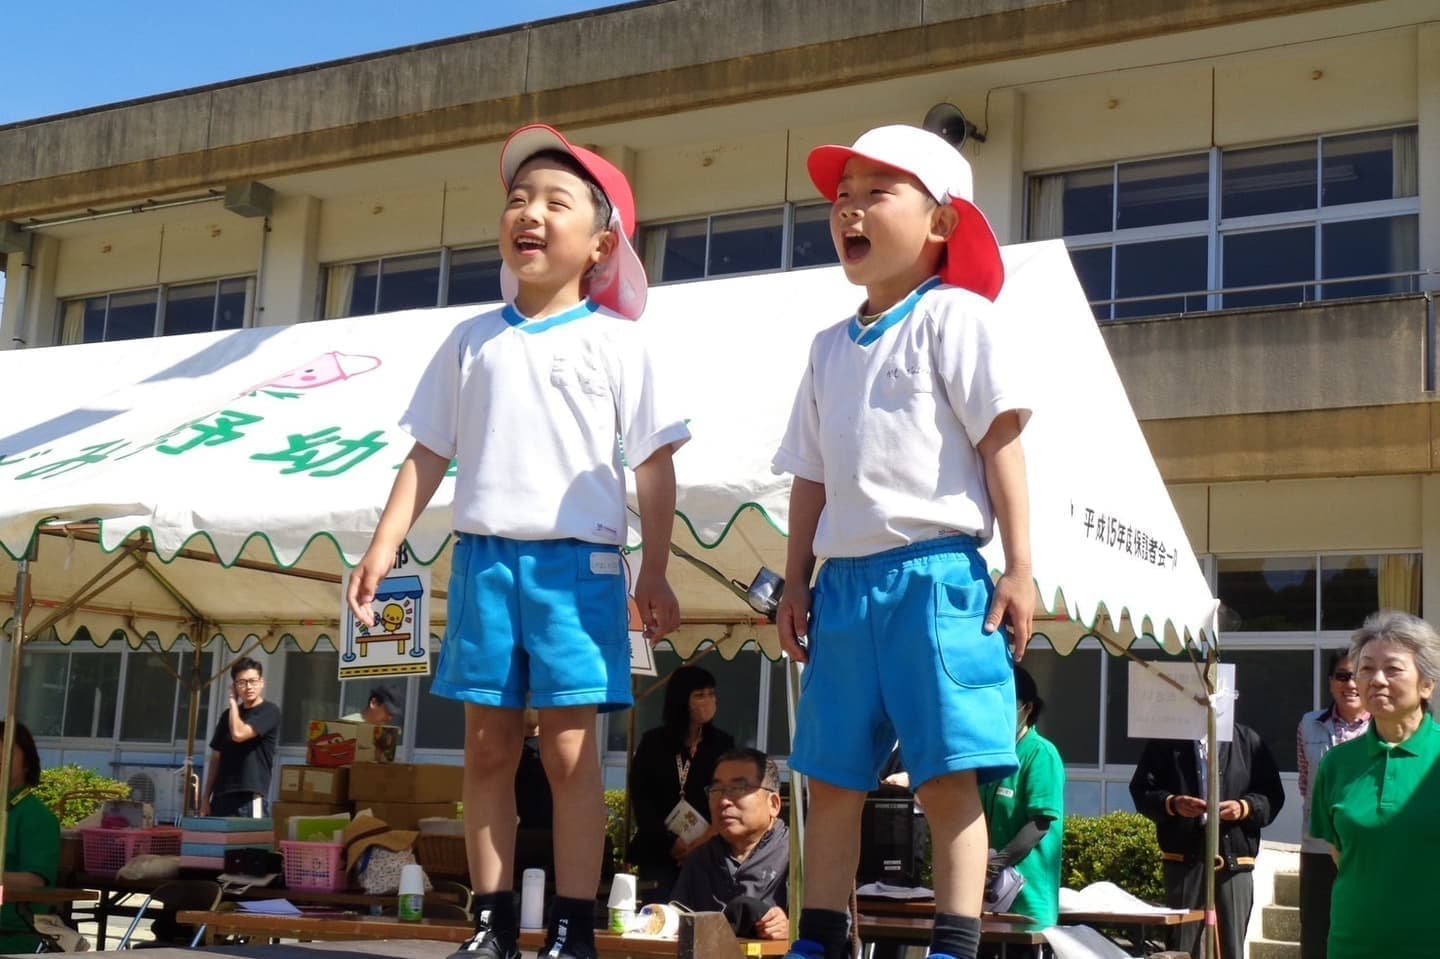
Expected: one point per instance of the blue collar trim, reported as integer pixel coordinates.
(526, 325)
(865, 335)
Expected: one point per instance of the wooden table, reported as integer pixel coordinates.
(915, 930)
(911, 923)
(25, 901)
(259, 926)
(111, 891)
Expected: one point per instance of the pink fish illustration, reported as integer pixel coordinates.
(323, 370)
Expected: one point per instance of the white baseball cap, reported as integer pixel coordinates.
(972, 254)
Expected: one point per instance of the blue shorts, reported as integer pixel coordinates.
(897, 651)
(540, 622)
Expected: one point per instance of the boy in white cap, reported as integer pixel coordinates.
(529, 400)
(904, 445)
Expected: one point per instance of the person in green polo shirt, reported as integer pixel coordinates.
(1375, 798)
(32, 841)
(1026, 811)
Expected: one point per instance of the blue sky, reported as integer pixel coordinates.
(72, 55)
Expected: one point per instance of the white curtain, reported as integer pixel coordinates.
(72, 323)
(1406, 151)
(1047, 207)
(339, 288)
(652, 246)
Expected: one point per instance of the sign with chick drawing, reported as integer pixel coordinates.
(396, 644)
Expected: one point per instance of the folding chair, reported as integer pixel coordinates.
(459, 890)
(173, 896)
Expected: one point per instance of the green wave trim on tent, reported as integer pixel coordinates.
(202, 535)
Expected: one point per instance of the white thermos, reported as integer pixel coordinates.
(532, 899)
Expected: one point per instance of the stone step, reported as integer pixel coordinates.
(1287, 889)
(1280, 923)
(1270, 949)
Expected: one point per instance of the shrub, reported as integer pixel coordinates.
(86, 788)
(1118, 848)
(615, 824)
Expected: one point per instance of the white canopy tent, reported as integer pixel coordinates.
(229, 457)
(227, 478)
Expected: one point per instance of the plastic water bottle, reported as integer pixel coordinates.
(532, 899)
(412, 893)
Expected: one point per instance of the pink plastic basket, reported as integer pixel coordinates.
(313, 865)
(106, 850)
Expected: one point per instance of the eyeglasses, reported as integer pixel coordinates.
(1343, 676)
(733, 791)
(248, 683)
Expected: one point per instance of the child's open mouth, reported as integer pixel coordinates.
(856, 247)
(529, 244)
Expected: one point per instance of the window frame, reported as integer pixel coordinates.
(787, 238)
(443, 281)
(161, 290)
(1215, 228)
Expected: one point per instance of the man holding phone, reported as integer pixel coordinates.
(242, 751)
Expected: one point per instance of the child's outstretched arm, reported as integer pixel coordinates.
(1010, 496)
(415, 483)
(655, 489)
(792, 618)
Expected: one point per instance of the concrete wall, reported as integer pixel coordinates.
(1265, 361)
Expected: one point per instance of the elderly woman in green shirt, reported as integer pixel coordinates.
(1375, 797)
(32, 841)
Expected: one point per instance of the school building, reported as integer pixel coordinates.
(1250, 190)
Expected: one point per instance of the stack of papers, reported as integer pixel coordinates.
(1108, 897)
(268, 907)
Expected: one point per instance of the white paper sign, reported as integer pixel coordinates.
(397, 644)
(1160, 711)
(642, 657)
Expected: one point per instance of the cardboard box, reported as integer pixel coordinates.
(407, 815)
(281, 812)
(406, 783)
(334, 743)
(328, 784)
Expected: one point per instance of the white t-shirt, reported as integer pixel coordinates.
(531, 410)
(888, 417)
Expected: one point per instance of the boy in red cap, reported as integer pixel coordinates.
(904, 445)
(529, 400)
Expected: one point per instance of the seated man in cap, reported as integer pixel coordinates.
(383, 709)
(745, 869)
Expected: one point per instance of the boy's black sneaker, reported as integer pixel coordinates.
(560, 949)
(484, 945)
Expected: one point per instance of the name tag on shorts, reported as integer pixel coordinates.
(605, 564)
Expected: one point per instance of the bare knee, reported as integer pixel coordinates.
(952, 799)
(493, 741)
(568, 747)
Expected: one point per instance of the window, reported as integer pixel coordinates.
(742, 686)
(70, 693)
(312, 691)
(439, 722)
(158, 311)
(156, 704)
(1327, 218)
(416, 281)
(1303, 594)
(1071, 717)
(755, 241)
(1275, 687)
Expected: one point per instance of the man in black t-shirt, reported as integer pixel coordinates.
(242, 751)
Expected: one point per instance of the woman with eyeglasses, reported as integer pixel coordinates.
(1375, 798)
(671, 770)
(1321, 730)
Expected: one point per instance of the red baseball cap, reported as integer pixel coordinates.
(972, 255)
(618, 283)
